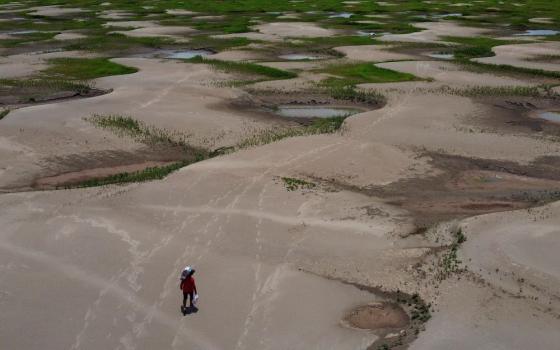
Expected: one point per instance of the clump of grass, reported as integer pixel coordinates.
(148, 174)
(333, 41)
(234, 24)
(507, 69)
(218, 44)
(116, 43)
(28, 38)
(340, 90)
(4, 113)
(318, 126)
(47, 84)
(245, 68)
(127, 126)
(360, 73)
(34, 89)
(85, 68)
(475, 46)
(449, 262)
(293, 184)
(543, 91)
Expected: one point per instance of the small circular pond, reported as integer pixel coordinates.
(296, 111)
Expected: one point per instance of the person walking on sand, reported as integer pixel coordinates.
(188, 286)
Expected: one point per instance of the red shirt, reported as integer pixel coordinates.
(187, 285)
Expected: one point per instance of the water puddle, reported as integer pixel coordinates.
(342, 15)
(550, 116)
(187, 54)
(447, 15)
(366, 33)
(298, 57)
(291, 111)
(23, 32)
(539, 32)
(442, 55)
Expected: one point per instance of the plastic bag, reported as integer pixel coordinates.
(195, 299)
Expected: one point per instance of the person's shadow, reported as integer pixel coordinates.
(188, 310)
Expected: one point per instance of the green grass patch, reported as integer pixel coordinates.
(116, 44)
(360, 73)
(26, 39)
(148, 174)
(85, 68)
(334, 41)
(293, 184)
(244, 68)
(4, 113)
(34, 89)
(543, 91)
(449, 262)
(507, 69)
(340, 90)
(472, 47)
(235, 24)
(150, 135)
(46, 84)
(318, 126)
(217, 44)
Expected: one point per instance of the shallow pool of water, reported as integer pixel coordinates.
(550, 116)
(291, 111)
(441, 56)
(186, 54)
(298, 57)
(365, 33)
(446, 15)
(539, 32)
(342, 15)
(23, 32)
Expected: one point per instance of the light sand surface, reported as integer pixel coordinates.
(296, 65)
(69, 36)
(180, 12)
(434, 121)
(278, 31)
(151, 29)
(237, 55)
(227, 216)
(471, 316)
(542, 20)
(207, 18)
(515, 252)
(172, 32)
(54, 11)
(521, 245)
(131, 24)
(517, 55)
(28, 64)
(157, 95)
(304, 81)
(432, 32)
(115, 14)
(451, 74)
(372, 53)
